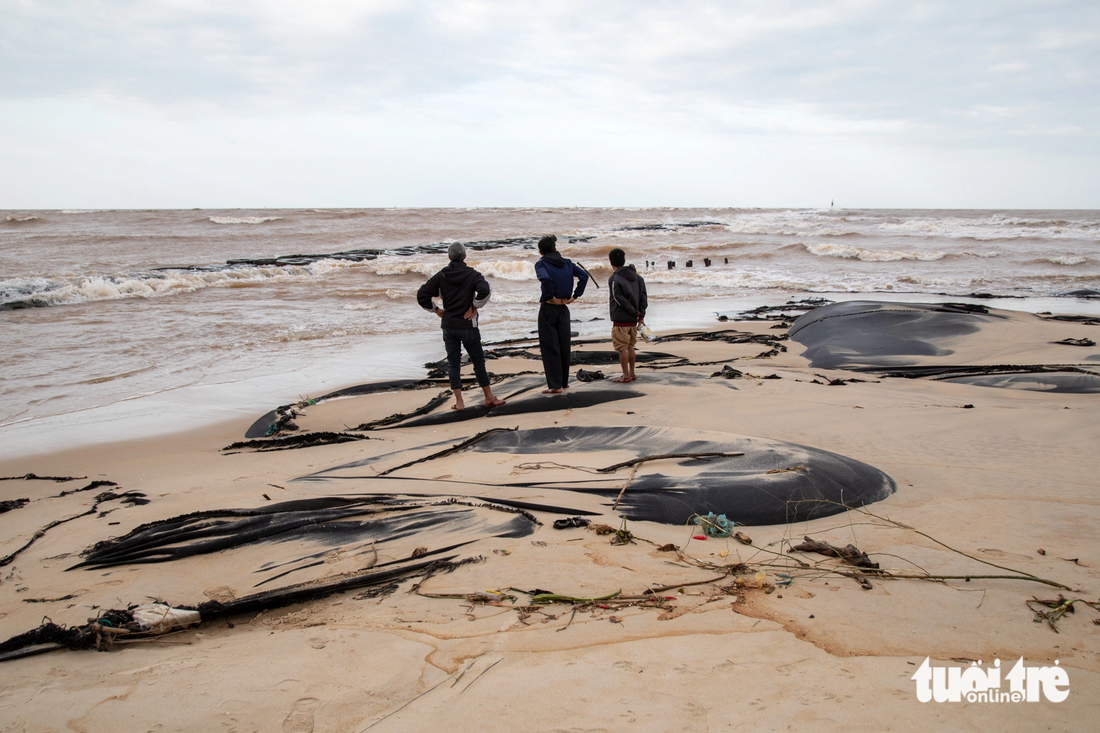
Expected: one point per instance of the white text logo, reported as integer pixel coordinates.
(975, 684)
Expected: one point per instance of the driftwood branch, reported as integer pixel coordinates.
(623, 489)
(850, 554)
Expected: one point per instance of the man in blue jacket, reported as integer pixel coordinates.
(626, 289)
(463, 290)
(556, 275)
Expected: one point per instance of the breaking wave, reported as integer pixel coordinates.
(35, 292)
(1068, 260)
(405, 266)
(993, 227)
(243, 219)
(795, 223)
(849, 252)
(507, 269)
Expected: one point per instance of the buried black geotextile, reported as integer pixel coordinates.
(1062, 382)
(572, 398)
(360, 526)
(772, 482)
(577, 357)
(890, 339)
(524, 396)
(863, 333)
(274, 420)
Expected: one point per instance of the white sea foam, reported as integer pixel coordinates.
(848, 252)
(636, 234)
(703, 246)
(405, 266)
(691, 283)
(719, 281)
(993, 227)
(825, 223)
(328, 266)
(1069, 260)
(20, 219)
(71, 289)
(939, 283)
(243, 219)
(507, 269)
(794, 223)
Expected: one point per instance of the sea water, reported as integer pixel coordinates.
(120, 324)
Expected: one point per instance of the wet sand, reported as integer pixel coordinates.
(996, 473)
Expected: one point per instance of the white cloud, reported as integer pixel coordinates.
(456, 82)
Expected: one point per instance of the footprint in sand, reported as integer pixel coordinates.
(1001, 554)
(300, 718)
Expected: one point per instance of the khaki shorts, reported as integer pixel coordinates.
(624, 337)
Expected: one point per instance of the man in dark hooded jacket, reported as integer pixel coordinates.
(628, 306)
(556, 275)
(463, 290)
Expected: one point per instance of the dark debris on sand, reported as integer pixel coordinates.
(849, 554)
(33, 477)
(12, 504)
(785, 312)
(290, 442)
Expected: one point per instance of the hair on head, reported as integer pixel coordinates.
(617, 257)
(457, 252)
(548, 244)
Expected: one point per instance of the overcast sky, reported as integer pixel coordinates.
(282, 103)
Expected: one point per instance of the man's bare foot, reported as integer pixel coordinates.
(458, 405)
(551, 391)
(495, 402)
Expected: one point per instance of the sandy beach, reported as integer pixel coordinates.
(851, 484)
(961, 441)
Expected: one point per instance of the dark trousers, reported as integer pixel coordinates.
(470, 338)
(554, 343)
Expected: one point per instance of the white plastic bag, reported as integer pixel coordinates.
(157, 618)
(644, 333)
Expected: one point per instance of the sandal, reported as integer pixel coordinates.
(571, 522)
